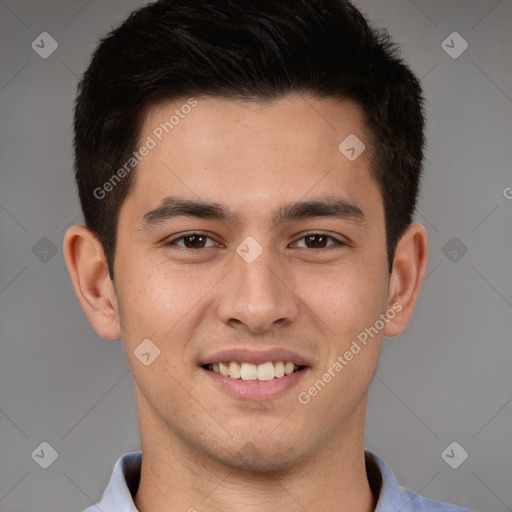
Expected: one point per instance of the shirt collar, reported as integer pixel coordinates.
(123, 485)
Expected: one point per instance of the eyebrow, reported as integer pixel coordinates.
(171, 207)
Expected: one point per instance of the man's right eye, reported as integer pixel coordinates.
(193, 241)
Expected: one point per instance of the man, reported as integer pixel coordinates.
(248, 172)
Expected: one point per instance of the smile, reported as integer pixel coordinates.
(247, 371)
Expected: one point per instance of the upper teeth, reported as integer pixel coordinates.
(249, 371)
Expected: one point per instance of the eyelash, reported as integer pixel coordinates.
(337, 243)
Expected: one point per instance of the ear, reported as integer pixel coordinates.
(88, 268)
(409, 267)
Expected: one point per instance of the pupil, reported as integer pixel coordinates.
(194, 240)
(320, 240)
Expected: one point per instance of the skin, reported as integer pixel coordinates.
(252, 158)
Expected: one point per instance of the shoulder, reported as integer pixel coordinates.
(122, 486)
(392, 496)
(418, 503)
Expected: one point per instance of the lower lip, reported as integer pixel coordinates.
(256, 389)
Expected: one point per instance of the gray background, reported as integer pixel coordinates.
(447, 378)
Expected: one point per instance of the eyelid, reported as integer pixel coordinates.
(172, 241)
(338, 241)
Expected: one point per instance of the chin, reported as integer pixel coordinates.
(259, 459)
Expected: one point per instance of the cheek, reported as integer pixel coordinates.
(159, 307)
(347, 297)
(163, 305)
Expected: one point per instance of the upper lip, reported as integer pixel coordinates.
(244, 355)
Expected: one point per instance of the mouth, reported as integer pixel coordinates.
(245, 371)
(250, 374)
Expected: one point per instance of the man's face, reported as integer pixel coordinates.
(304, 283)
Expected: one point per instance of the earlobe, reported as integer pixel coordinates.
(409, 267)
(89, 273)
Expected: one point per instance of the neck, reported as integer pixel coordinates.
(177, 476)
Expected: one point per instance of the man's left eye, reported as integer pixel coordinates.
(318, 241)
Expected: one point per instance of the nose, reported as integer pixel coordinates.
(258, 296)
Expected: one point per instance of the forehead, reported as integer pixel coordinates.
(242, 152)
(219, 124)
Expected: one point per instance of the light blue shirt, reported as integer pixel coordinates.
(118, 496)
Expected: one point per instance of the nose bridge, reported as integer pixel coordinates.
(259, 283)
(257, 294)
